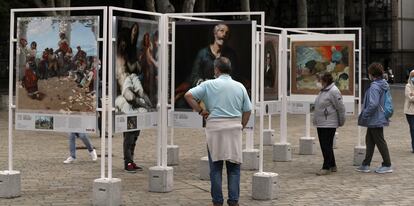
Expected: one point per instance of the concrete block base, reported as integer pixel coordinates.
(359, 154)
(268, 137)
(265, 186)
(173, 153)
(250, 159)
(204, 168)
(282, 152)
(106, 192)
(161, 179)
(307, 146)
(10, 184)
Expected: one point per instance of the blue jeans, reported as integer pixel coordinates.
(72, 144)
(410, 119)
(233, 179)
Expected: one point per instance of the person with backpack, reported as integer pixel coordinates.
(328, 115)
(409, 106)
(376, 111)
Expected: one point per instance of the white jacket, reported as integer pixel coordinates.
(409, 100)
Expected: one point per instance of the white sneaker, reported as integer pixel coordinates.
(69, 160)
(93, 155)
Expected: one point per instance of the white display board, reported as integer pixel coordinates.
(178, 119)
(270, 108)
(310, 47)
(135, 122)
(56, 122)
(57, 72)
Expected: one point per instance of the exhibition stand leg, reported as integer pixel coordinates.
(173, 151)
(269, 134)
(10, 183)
(106, 191)
(359, 154)
(161, 177)
(250, 155)
(264, 184)
(173, 155)
(307, 144)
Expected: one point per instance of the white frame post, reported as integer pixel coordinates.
(283, 71)
(164, 91)
(11, 94)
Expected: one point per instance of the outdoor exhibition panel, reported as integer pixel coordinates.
(57, 62)
(56, 54)
(192, 58)
(312, 55)
(135, 73)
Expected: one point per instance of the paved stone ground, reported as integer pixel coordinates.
(47, 181)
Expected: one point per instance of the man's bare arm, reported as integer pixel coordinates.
(245, 118)
(194, 104)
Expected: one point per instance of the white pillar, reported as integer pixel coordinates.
(307, 144)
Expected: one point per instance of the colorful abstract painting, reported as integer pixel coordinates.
(309, 59)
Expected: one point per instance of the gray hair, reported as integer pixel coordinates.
(223, 64)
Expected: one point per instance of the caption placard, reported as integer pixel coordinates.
(124, 123)
(56, 122)
(184, 119)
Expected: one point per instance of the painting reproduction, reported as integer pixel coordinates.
(135, 65)
(57, 63)
(309, 59)
(198, 44)
(271, 67)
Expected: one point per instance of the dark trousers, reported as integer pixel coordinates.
(326, 136)
(410, 119)
(130, 139)
(375, 136)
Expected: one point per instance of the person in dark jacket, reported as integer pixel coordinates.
(329, 114)
(372, 116)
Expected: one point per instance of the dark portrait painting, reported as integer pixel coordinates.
(271, 55)
(198, 44)
(135, 65)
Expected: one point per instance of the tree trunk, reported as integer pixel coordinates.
(340, 13)
(188, 6)
(201, 6)
(128, 4)
(272, 12)
(164, 6)
(245, 7)
(49, 3)
(150, 5)
(63, 3)
(302, 13)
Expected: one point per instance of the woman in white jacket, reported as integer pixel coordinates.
(409, 106)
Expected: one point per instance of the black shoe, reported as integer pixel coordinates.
(136, 167)
(130, 168)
